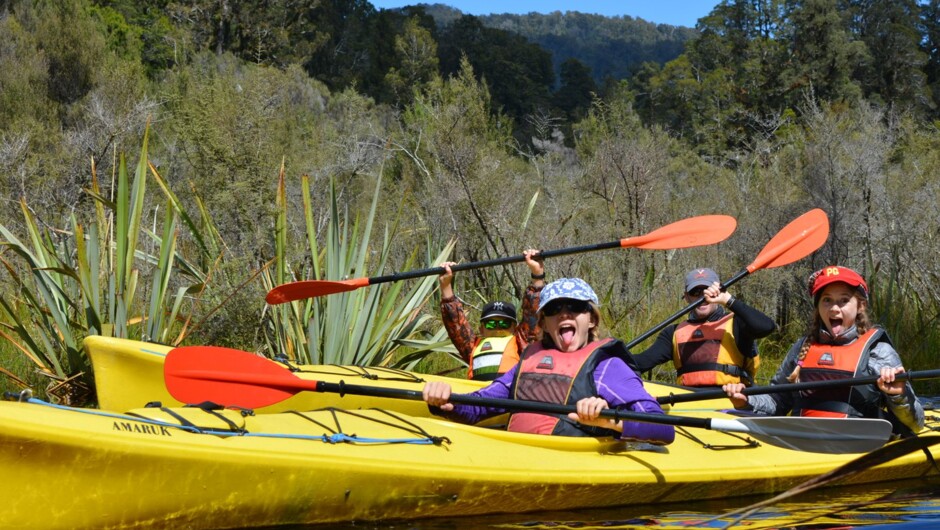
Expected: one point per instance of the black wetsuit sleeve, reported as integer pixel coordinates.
(750, 325)
(658, 353)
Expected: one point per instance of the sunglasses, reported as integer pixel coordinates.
(697, 292)
(497, 324)
(572, 306)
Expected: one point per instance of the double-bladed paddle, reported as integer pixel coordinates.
(238, 379)
(703, 395)
(800, 238)
(691, 232)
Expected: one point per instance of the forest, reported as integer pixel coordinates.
(163, 164)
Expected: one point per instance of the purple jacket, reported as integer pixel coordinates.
(616, 382)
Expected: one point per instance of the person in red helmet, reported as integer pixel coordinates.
(842, 343)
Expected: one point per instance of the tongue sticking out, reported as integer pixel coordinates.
(566, 333)
(836, 326)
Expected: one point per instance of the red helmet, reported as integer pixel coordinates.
(833, 274)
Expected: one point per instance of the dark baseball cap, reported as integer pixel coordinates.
(700, 278)
(499, 309)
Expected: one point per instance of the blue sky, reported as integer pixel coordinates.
(675, 12)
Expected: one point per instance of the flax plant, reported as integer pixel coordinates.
(366, 326)
(77, 282)
(903, 306)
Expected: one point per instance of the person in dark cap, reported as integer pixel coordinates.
(495, 348)
(570, 364)
(842, 343)
(717, 344)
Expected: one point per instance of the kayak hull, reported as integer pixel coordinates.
(82, 468)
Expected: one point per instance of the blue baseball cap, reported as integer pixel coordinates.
(573, 288)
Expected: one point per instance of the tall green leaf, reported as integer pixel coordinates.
(365, 326)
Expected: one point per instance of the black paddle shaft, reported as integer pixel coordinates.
(518, 405)
(702, 395)
(437, 271)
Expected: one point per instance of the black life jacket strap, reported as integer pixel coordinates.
(729, 369)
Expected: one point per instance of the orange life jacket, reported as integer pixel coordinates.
(706, 354)
(492, 357)
(824, 362)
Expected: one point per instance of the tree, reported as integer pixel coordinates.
(416, 54)
(608, 46)
(518, 74)
(455, 150)
(72, 46)
(330, 38)
(930, 28)
(68, 94)
(344, 56)
(231, 124)
(144, 29)
(24, 72)
(890, 30)
(844, 157)
(728, 81)
(577, 90)
(824, 53)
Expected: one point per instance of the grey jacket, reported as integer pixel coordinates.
(906, 407)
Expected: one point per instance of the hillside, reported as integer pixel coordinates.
(609, 46)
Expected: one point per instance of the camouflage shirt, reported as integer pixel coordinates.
(464, 336)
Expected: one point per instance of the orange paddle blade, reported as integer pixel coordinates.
(232, 378)
(803, 236)
(289, 292)
(691, 232)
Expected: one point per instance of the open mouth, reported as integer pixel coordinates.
(836, 325)
(566, 332)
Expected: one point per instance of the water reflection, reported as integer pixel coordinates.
(905, 505)
(908, 506)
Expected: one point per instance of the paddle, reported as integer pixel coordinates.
(691, 232)
(800, 238)
(847, 470)
(702, 395)
(238, 379)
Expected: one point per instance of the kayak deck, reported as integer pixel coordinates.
(129, 374)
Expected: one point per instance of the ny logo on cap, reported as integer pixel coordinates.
(498, 306)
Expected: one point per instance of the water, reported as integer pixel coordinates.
(904, 505)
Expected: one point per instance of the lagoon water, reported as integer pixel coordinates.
(903, 505)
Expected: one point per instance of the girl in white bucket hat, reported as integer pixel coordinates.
(569, 365)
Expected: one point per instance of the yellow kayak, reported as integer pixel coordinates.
(73, 468)
(129, 374)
